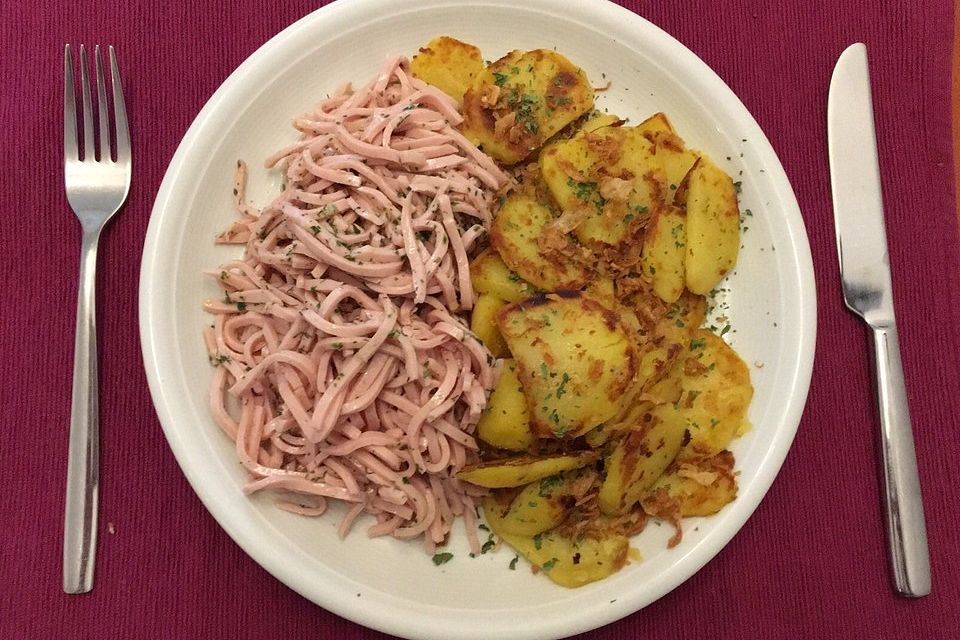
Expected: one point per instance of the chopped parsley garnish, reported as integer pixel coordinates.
(241, 306)
(561, 388)
(548, 484)
(549, 564)
(697, 343)
(538, 541)
(489, 544)
(442, 558)
(513, 563)
(499, 78)
(583, 190)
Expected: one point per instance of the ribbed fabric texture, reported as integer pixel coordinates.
(811, 562)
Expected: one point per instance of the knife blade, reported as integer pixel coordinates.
(868, 292)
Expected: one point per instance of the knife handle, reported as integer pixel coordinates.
(906, 529)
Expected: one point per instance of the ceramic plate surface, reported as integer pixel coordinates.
(385, 583)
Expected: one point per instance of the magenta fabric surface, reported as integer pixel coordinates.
(811, 562)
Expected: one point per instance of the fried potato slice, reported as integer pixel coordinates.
(576, 359)
(664, 252)
(713, 226)
(489, 274)
(545, 504)
(449, 65)
(505, 423)
(716, 395)
(516, 472)
(521, 100)
(515, 233)
(616, 174)
(699, 487)
(483, 322)
(569, 563)
(638, 459)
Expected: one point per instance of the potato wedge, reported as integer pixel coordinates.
(489, 274)
(518, 102)
(713, 226)
(516, 472)
(638, 459)
(567, 562)
(699, 487)
(716, 394)
(545, 504)
(505, 423)
(664, 252)
(483, 322)
(577, 362)
(449, 65)
(516, 228)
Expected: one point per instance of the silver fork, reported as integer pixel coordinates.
(97, 186)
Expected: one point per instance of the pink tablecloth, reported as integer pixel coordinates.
(810, 563)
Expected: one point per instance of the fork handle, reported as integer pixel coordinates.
(906, 529)
(83, 463)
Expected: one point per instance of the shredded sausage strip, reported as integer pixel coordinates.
(344, 367)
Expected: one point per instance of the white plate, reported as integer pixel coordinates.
(391, 585)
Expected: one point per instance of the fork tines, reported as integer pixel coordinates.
(94, 147)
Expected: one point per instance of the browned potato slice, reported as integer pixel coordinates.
(515, 231)
(489, 274)
(615, 174)
(598, 120)
(505, 423)
(638, 459)
(543, 505)
(449, 65)
(716, 395)
(699, 487)
(569, 563)
(516, 472)
(518, 102)
(577, 361)
(483, 322)
(664, 252)
(713, 226)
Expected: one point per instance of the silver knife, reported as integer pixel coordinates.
(867, 291)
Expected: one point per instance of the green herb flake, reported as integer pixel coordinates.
(538, 541)
(561, 388)
(488, 545)
(697, 343)
(241, 306)
(442, 558)
(499, 78)
(548, 484)
(513, 563)
(549, 565)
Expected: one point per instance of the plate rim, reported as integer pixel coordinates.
(384, 618)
